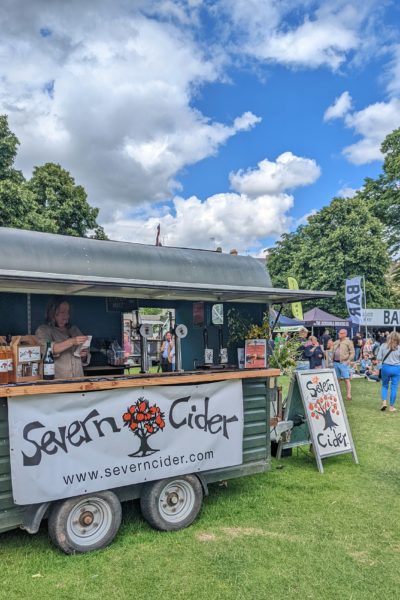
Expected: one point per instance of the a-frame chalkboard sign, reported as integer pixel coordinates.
(315, 405)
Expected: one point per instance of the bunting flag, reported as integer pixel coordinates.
(297, 309)
(354, 299)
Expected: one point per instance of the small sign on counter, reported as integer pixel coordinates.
(255, 353)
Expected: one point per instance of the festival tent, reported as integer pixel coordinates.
(320, 318)
(286, 324)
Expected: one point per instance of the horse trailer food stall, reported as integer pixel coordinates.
(72, 450)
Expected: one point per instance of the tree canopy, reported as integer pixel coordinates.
(383, 194)
(349, 237)
(50, 201)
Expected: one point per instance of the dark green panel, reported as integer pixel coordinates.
(10, 519)
(5, 465)
(4, 447)
(253, 415)
(254, 402)
(254, 428)
(6, 500)
(5, 483)
(254, 441)
(3, 428)
(254, 454)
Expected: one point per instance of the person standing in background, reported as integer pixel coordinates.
(343, 355)
(329, 355)
(325, 337)
(314, 353)
(168, 353)
(389, 354)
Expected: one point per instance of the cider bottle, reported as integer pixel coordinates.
(3, 364)
(48, 364)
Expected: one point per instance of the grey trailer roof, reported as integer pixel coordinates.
(47, 263)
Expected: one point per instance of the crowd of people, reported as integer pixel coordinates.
(377, 358)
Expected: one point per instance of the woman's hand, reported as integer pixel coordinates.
(79, 339)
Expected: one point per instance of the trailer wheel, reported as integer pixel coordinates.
(85, 523)
(172, 504)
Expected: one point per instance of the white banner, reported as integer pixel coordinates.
(382, 317)
(63, 445)
(354, 299)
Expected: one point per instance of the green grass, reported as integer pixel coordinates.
(289, 533)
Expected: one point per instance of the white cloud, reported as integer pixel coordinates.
(319, 35)
(229, 220)
(393, 73)
(373, 123)
(232, 220)
(347, 192)
(339, 108)
(288, 172)
(108, 94)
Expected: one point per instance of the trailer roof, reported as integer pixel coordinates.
(47, 263)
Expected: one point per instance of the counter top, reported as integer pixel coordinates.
(89, 384)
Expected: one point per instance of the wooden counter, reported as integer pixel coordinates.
(89, 384)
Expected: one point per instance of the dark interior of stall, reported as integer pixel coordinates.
(21, 314)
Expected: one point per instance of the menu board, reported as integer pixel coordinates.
(121, 304)
(322, 419)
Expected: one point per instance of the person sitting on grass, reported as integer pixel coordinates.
(365, 362)
(372, 371)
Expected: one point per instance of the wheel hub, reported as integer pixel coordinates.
(86, 518)
(172, 499)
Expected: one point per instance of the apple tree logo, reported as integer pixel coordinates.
(325, 406)
(143, 420)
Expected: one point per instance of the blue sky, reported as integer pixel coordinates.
(226, 121)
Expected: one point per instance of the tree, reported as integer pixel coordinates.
(383, 194)
(50, 201)
(8, 151)
(325, 406)
(143, 421)
(62, 201)
(342, 240)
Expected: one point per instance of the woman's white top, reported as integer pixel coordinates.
(392, 359)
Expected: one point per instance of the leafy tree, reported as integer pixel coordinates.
(340, 241)
(50, 201)
(64, 202)
(383, 194)
(8, 151)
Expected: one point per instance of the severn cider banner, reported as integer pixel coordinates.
(65, 445)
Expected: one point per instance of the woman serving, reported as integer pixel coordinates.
(64, 338)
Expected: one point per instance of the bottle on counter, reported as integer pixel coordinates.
(10, 361)
(10, 356)
(3, 364)
(48, 363)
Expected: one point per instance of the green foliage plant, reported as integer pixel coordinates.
(285, 355)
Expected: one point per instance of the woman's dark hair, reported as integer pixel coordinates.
(52, 306)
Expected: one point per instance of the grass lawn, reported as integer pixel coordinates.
(289, 533)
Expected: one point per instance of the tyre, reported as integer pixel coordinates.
(172, 504)
(85, 523)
